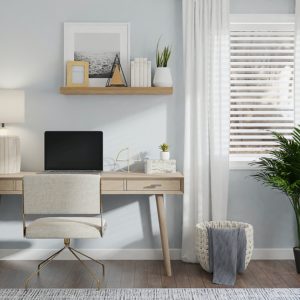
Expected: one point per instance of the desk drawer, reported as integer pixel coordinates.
(18, 185)
(112, 184)
(7, 185)
(153, 185)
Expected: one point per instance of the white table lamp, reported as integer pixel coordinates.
(12, 110)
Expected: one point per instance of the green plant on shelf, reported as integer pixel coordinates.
(164, 147)
(162, 57)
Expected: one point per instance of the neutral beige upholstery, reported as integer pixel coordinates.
(62, 194)
(65, 227)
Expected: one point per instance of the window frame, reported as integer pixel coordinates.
(260, 18)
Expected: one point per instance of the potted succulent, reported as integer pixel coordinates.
(162, 75)
(281, 170)
(164, 154)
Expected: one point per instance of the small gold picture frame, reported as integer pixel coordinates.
(77, 73)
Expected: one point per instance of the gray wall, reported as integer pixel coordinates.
(31, 57)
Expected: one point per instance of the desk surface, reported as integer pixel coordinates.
(121, 175)
(104, 175)
(15, 175)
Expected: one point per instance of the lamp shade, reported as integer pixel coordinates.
(12, 106)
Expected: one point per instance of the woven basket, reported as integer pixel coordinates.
(202, 240)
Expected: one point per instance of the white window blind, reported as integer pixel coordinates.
(261, 86)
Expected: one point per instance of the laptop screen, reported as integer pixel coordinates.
(74, 150)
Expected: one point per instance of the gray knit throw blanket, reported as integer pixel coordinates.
(227, 251)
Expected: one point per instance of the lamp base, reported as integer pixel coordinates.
(10, 154)
(3, 130)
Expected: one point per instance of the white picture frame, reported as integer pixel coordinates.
(97, 43)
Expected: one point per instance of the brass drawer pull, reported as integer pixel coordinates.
(152, 186)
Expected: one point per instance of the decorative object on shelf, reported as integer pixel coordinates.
(164, 154)
(280, 170)
(98, 44)
(77, 73)
(162, 76)
(12, 110)
(117, 77)
(140, 72)
(157, 166)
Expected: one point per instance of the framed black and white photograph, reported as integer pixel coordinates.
(98, 44)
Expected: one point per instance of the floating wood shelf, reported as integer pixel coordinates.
(116, 90)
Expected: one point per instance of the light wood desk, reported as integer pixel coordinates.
(119, 183)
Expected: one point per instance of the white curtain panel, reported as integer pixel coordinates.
(207, 101)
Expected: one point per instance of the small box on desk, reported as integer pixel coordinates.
(157, 166)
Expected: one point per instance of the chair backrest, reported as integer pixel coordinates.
(62, 194)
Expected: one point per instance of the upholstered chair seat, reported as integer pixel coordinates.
(65, 227)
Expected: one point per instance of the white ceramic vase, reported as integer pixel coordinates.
(162, 77)
(164, 155)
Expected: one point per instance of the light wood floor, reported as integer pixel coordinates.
(143, 274)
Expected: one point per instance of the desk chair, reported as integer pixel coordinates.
(63, 194)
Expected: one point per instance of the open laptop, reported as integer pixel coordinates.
(73, 151)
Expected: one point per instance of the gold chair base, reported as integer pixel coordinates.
(75, 252)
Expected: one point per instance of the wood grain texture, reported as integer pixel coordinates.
(136, 175)
(145, 274)
(16, 175)
(7, 185)
(10, 187)
(154, 274)
(112, 184)
(116, 90)
(115, 183)
(140, 274)
(164, 233)
(70, 66)
(153, 184)
(107, 175)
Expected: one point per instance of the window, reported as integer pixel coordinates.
(261, 83)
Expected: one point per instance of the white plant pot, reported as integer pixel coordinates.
(162, 77)
(164, 155)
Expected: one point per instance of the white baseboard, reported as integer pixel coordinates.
(273, 253)
(128, 254)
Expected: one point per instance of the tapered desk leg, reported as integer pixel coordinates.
(163, 233)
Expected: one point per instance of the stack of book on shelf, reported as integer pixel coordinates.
(140, 72)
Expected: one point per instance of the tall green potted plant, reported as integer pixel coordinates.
(162, 75)
(281, 170)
